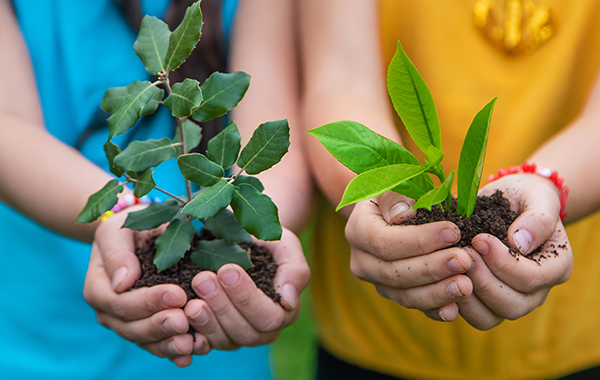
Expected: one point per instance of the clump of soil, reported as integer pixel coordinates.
(184, 271)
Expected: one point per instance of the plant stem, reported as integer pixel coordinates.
(133, 180)
(188, 185)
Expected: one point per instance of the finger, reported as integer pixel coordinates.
(293, 272)
(159, 326)
(176, 346)
(429, 297)
(410, 272)
(131, 305)
(368, 231)
(201, 345)
(203, 320)
(521, 273)
(446, 313)
(477, 314)
(182, 361)
(395, 208)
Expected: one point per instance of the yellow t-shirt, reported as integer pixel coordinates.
(538, 94)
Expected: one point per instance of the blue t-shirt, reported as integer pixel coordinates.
(47, 331)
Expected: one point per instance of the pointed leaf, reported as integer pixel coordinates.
(185, 97)
(268, 144)
(225, 226)
(141, 155)
(472, 155)
(184, 38)
(133, 107)
(111, 150)
(173, 244)
(144, 182)
(211, 201)
(252, 181)
(197, 168)
(115, 97)
(152, 42)
(213, 254)
(152, 216)
(437, 195)
(193, 136)
(256, 212)
(225, 147)
(413, 102)
(222, 92)
(100, 202)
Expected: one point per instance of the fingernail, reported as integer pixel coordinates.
(169, 300)
(118, 276)
(454, 291)
(482, 247)
(523, 240)
(448, 236)
(289, 293)
(442, 317)
(229, 276)
(172, 348)
(397, 209)
(169, 327)
(472, 266)
(454, 266)
(206, 286)
(201, 317)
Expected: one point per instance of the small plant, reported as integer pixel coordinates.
(161, 52)
(383, 165)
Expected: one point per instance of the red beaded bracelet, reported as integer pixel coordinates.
(126, 201)
(552, 175)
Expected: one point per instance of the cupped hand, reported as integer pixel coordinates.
(232, 312)
(510, 284)
(411, 265)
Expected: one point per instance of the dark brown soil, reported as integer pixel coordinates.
(184, 271)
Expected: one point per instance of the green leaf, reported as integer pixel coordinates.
(211, 201)
(193, 136)
(268, 144)
(141, 155)
(199, 169)
(152, 216)
(413, 102)
(472, 155)
(437, 195)
(184, 38)
(135, 105)
(152, 42)
(144, 182)
(225, 226)
(100, 202)
(222, 92)
(111, 150)
(252, 181)
(173, 244)
(185, 97)
(256, 212)
(213, 254)
(225, 147)
(115, 97)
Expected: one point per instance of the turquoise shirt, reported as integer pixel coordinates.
(47, 331)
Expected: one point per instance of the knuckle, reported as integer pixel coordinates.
(248, 339)
(271, 324)
(118, 310)
(356, 268)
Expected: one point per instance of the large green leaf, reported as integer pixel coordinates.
(413, 101)
(141, 155)
(472, 155)
(185, 97)
(192, 133)
(225, 147)
(151, 44)
(211, 201)
(173, 244)
(152, 216)
(134, 106)
(111, 150)
(144, 182)
(100, 202)
(115, 97)
(252, 181)
(437, 195)
(213, 254)
(268, 144)
(199, 169)
(225, 226)
(222, 92)
(256, 212)
(184, 38)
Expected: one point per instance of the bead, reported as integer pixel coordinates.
(544, 172)
(129, 199)
(106, 215)
(146, 200)
(157, 200)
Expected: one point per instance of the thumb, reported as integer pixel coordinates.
(395, 208)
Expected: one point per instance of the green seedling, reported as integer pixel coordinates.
(162, 51)
(383, 165)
